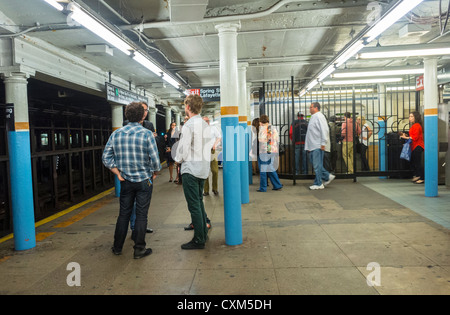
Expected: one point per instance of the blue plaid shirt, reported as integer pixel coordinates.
(132, 149)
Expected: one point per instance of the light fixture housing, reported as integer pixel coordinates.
(98, 28)
(364, 73)
(404, 51)
(91, 23)
(362, 81)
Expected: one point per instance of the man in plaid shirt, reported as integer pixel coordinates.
(131, 154)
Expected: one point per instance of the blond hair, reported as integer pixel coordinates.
(195, 103)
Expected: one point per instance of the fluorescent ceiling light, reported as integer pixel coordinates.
(396, 53)
(349, 53)
(364, 81)
(147, 63)
(55, 4)
(401, 88)
(97, 28)
(326, 72)
(312, 84)
(393, 16)
(381, 73)
(332, 92)
(171, 80)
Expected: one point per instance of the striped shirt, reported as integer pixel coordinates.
(132, 149)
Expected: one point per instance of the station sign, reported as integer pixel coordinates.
(419, 83)
(208, 94)
(121, 96)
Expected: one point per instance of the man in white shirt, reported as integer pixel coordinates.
(194, 154)
(317, 137)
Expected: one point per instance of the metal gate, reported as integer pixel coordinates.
(380, 111)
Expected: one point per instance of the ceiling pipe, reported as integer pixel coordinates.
(220, 19)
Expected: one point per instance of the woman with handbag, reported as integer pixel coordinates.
(417, 146)
(268, 155)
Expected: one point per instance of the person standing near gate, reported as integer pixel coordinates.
(347, 140)
(317, 138)
(297, 133)
(194, 154)
(131, 154)
(417, 146)
(268, 155)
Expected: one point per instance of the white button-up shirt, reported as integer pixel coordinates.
(194, 148)
(318, 133)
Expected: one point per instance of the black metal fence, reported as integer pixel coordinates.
(369, 146)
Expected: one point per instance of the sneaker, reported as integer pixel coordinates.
(330, 179)
(315, 187)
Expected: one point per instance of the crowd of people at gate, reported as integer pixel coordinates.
(133, 154)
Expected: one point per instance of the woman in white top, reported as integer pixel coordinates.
(366, 133)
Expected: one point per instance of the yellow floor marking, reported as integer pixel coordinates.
(43, 235)
(64, 212)
(4, 258)
(82, 214)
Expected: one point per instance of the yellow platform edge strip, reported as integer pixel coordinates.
(64, 212)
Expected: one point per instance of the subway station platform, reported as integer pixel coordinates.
(296, 241)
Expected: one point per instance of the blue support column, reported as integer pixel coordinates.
(431, 154)
(21, 178)
(243, 162)
(230, 129)
(248, 144)
(231, 182)
(116, 186)
(21, 189)
(382, 145)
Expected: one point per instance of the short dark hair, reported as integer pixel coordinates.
(264, 119)
(134, 112)
(316, 105)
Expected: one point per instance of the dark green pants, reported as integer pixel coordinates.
(193, 191)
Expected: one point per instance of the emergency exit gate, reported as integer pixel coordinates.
(384, 107)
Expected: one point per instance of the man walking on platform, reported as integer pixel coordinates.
(131, 154)
(194, 154)
(317, 137)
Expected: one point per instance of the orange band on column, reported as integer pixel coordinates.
(430, 111)
(229, 110)
(22, 126)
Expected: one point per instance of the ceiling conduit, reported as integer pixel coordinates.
(221, 19)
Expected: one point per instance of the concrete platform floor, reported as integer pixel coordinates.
(296, 241)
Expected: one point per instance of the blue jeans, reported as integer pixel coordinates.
(300, 153)
(139, 193)
(267, 169)
(316, 157)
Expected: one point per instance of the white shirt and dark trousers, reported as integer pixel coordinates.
(193, 152)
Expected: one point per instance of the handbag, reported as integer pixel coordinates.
(406, 151)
